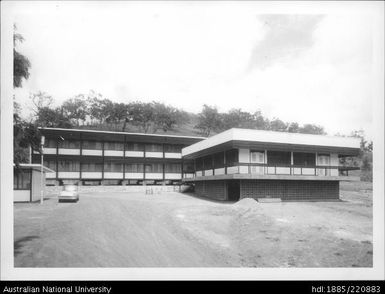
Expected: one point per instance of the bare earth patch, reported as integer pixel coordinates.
(173, 229)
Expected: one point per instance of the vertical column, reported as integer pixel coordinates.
(144, 173)
(80, 158)
(203, 166)
(144, 163)
(102, 162)
(57, 160)
(181, 165)
(316, 163)
(144, 150)
(266, 168)
(224, 161)
(124, 159)
(291, 162)
(163, 165)
(163, 171)
(212, 163)
(195, 168)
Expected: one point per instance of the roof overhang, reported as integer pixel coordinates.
(268, 140)
(85, 134)
(34, 166)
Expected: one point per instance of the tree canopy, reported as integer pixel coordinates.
(211, 121)
(21, 64)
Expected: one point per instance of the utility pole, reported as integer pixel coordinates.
(41, 169)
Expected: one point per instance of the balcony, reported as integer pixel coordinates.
(118, 153)
(151, 154)
(68, 151)
(92, 152)
(173, 155)
(261, 170)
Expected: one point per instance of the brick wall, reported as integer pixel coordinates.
(211, 189)
(289, 190)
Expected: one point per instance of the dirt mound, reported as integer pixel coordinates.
(246, 202)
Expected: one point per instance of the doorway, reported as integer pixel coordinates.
(233, 190)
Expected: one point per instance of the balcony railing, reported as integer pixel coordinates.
(281, 169)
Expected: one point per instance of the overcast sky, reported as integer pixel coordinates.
(309, 68)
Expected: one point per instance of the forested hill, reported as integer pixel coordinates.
(93, 111)
(184, 129)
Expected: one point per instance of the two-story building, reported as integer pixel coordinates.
(235, 164)
(91, 157)
(241, 163)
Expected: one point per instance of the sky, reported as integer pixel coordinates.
(306, 67)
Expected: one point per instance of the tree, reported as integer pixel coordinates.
(209, 120)
(312, 129)
(21, 64)
(278, 125)
(236, 118)
(98, 107)
(24, 135)
(52, 118)
(117, 113)
(40, 100)
(165, 117)
(293, 127)
(75, 109)
(142, 115)
(260, 123)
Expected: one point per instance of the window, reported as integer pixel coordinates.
(51, 164)
(154, 168)
(154, 148)
(134, 146)
(172, 148)
(199, 163)
(92, 167)
(208, 162)
(69, 144)
(219, 160)
(134, 168)
(113, 167)
(113, 146)
(188, 167)
(278, 158)
(304, 159)
(323, 159)
(50, 143)
(92, 145)
(173, 168)
(22, 179)
(257, 156)
(231, 157)
(68, 166)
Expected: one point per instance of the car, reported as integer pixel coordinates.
(69, 193)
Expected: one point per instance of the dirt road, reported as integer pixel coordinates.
(177, 230)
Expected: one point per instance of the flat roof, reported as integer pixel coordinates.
(35, 166)
(121, 133)
(254, 138)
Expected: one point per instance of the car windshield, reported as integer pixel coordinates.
(70, 188)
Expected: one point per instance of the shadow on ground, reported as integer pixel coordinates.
(19, 244)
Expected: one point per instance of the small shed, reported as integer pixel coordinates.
(27, 182)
